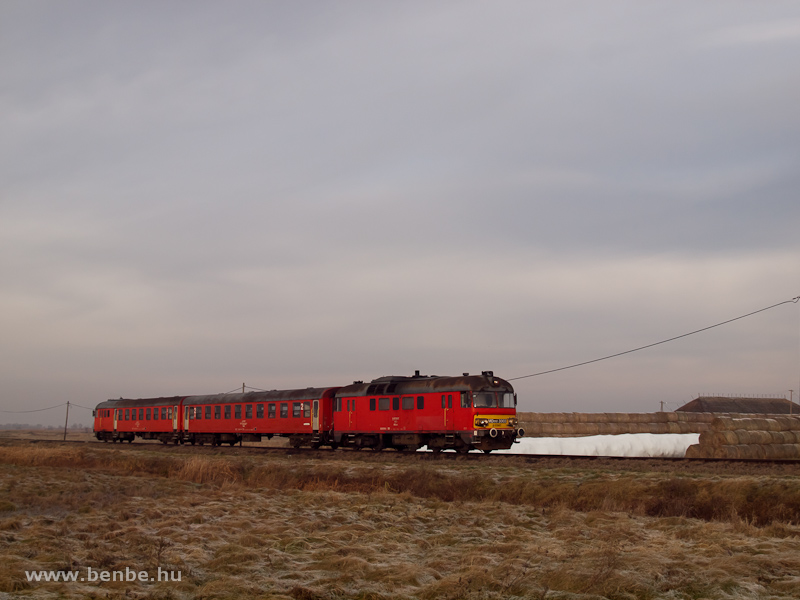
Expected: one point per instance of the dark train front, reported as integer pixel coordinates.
(471, 412)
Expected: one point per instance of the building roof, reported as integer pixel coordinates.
(724, 404)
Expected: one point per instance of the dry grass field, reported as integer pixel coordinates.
(244, 523)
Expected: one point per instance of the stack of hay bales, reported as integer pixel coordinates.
(769, 437)
(583, 424)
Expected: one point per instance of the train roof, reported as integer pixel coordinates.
(266, 396)
(128, 402)
(426, 384)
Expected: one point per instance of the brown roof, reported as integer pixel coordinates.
(719, 404)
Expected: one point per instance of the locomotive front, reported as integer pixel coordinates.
(488, 417)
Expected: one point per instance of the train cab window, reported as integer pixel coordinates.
(307, 410)
(227, 411)
(297, 409)
(259, 411)
(372, 403)
(396, 403)
(337, 405)
(384, 403)
(217, 412)
(420, 402)
(506, 399)
(408, 403)
(237, 411)
(248, 411)
(284, 410)
(270, 411)
(449, 400)
(208, 412)
(465, 400)
(484, 400)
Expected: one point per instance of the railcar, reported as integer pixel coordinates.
(459, 413)
(148, 418)
(404, 413)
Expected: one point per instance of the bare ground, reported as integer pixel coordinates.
(245, 525)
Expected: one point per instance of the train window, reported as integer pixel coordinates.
(384, 403)
(217, 412)
(227, 411)
(155, 414)
(259, 411)
(147, 414)
(372, 403)
(198, 412)
(141, 414)
(284, 410)
(190, 412)
(316, 409)
(395, 403)
(164, 412)
(449, 400)
(127, 414)
(465, 401)
(483, 400)
(408, 403)
(271, 411)
(420, 402)
(169, 412)
(307, 409)
(297, 409)
(237, 411)
(248, 411)
(348, 405)
(337, 405)
(208, 412)
(506, 399)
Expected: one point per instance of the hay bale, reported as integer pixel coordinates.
(754, 437)
(694, 451)
(782, 450)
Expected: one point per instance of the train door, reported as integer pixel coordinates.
(116, 414)
(447, 408)
(315, 416)
(186, 418)
(351, 409)
(174, 419)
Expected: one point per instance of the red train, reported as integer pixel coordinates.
(404, 413)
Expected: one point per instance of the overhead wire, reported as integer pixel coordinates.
(677, 337)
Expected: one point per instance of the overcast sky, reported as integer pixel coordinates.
(289, 194)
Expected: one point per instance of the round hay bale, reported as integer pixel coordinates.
(673, 427)
(694, 451)
(753, 437)
(754, 451)
(788, 423)
(782, 450)
(722, 424)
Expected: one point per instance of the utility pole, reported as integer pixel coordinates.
(243, 388)
(662, 406)
(65, 422)
(791, 405)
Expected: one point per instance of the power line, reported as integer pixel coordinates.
(37, 410)
(677, 337)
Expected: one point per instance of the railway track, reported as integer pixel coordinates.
(544, 460)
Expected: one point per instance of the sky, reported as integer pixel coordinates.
(199, 195)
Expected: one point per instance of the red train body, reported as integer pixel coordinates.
(405, 413)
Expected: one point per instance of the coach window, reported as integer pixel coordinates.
(127, 414)
(198, 413)
(395, 403)
(169, 412)
(408, 403)
(141, 414)
(307, 410)
(155, 414)
(284, 410)
(190, 412)
(420, 402)
(217, 412)
(237, 411)
(372, 403)
(147, 414)
(227, 411)
(465, 400)
(297, 409)
(270, 411)
(208, 412)
(164, 412)
(248, 411)
(259, 411)
(384, 403)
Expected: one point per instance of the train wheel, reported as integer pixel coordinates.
(436, 451)
(233, 443)
(463, 450)
(486, 451)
